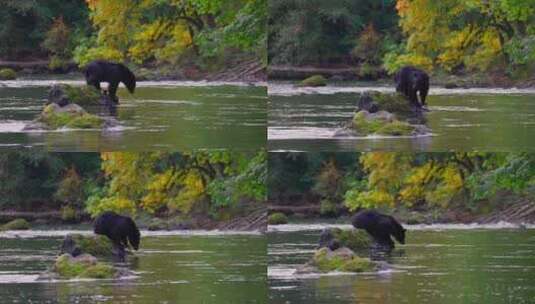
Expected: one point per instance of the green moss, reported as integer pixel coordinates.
(97, 245)
(326, 261)
(396, 128)
(7, 74)
(16, 224)
(313, 81)
(393, 103)
(366, 124)
(99, 271)
(68, 267)
(356, 240)
(84, 95)
(79, 120)
(277, 218)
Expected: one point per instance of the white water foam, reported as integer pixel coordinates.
(28, 234)
(21, 83)
(432, 227)
(285, 89)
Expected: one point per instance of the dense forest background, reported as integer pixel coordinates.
(331, 184)
(452, 36)
(216, 185)
(206, 34)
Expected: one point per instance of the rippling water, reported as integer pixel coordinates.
(439, 264)
(185, 267)
(160, 115)
(305, 119)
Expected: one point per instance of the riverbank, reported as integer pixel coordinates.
(337, 73)
(517, 211)
(246, 69)
(252, 219)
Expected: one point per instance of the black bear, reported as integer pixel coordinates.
(410, 81)
(380, 227)
(104, 71)
(121, 230)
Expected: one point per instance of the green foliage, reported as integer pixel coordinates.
(163, 31)
(16, 224)
(277, 218)
(179, 182)
(7, 74)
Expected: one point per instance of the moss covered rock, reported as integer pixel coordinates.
(342, 259)
(356, 240)
(313, 81)
(84, 95)
(381, 123)
(82, 266)
(16, 224)
(277, 218)
(7, 74)
(54, 116)
(96, 245)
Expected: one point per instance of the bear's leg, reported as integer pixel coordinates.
(113, 91)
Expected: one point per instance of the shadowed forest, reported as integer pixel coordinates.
(490, 41)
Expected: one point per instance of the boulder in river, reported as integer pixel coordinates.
(7, 74)
(313, 81)
(356, 240)
(16, 224)
(82, 266)
(385, 114)
(97, 245)
(342, 259)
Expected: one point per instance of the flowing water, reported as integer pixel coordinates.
(438, 264)
(160, 115)
(194, 267)
(305, 119)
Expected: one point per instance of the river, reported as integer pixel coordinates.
(170, 267)
(163, 115)
(439, 264)
(484, 119)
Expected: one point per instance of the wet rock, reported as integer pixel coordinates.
(16, 224)
(313, 81)
(366, 103)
